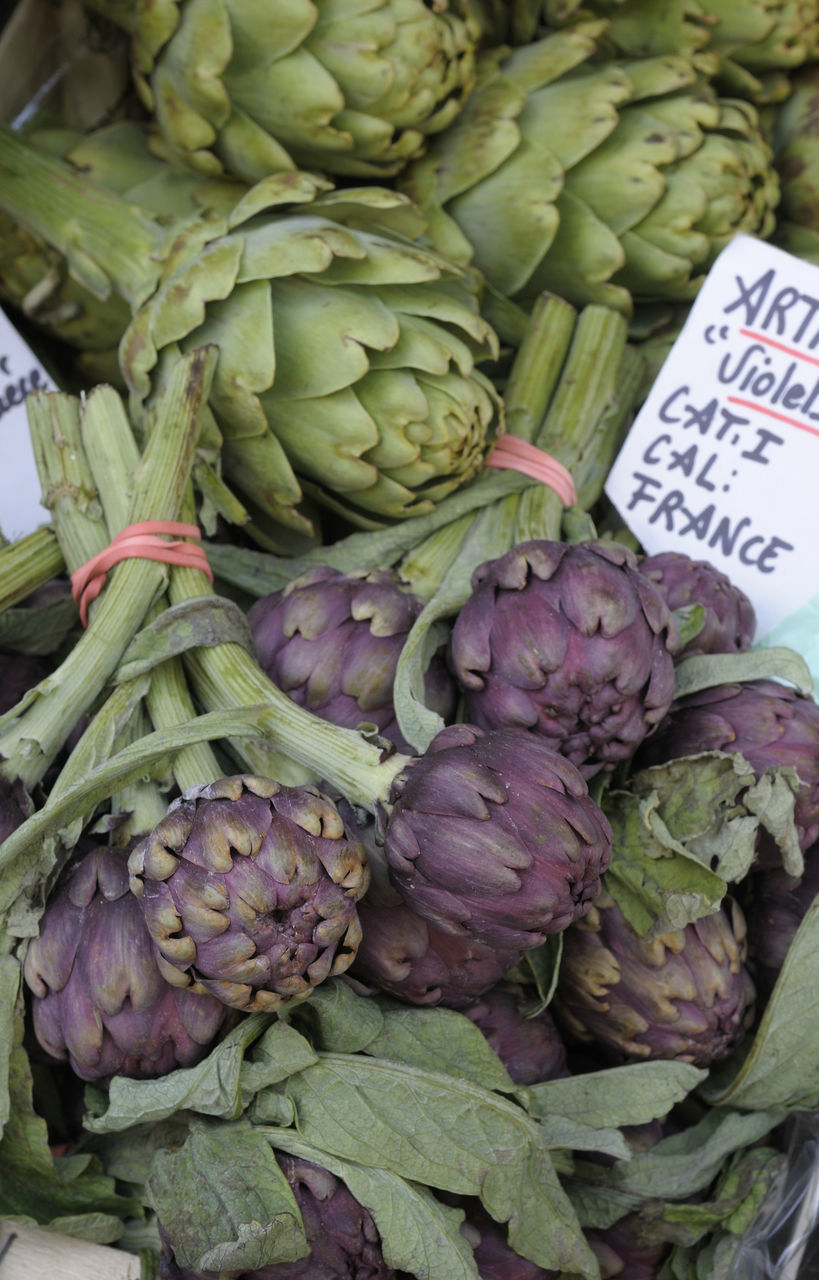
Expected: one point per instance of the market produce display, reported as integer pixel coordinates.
(403, 874)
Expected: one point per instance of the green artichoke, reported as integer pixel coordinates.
(348, 350)
(347, 87)
(249, 891)
(795, 137)
(611, 181)
(34, 276)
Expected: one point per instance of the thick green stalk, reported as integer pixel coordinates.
(30, 743)
(27, 564)
(108, 242)
(114, 459)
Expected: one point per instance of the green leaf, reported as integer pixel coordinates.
(439, 1040)
(447, 1133)
(617, 1096)
(419, 1235)
(573, 1135)
(224, 1201)
(9, 1013)
(781, 1068)
(40, 1188)
(543, 965)
(280, 1052)
(687, 1162)
(213, 1087)
(200, 620)
(490, 535)
(339, 1020)
(706, 670)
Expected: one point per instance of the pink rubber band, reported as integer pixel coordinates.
(143, 541)
(513, 454)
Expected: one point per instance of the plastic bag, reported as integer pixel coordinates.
(783, 1241)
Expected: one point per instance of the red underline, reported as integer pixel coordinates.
(780, 346)
(771, 413)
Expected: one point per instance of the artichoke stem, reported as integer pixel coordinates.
(34, 737)
(28, 563)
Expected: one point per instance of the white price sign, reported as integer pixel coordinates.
(722, 461)
(20, 492)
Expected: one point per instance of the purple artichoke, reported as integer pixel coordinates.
(99, 999)
(494, 836)
(331, 641)
(767, 723)
(571, 641)
(774, 909)
(404, 955)
(531, 1049)
(730, 620)
(684, 995)
(249, 890)
(344, 1240)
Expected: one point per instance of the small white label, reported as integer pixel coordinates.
(722, 461)
(20, 372)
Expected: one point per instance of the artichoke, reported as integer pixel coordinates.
(403, 954)
(775, 905)
(601, 180)
(99, 998)
(571, 641)
(530, 1048)
(18, 673)
(336, 85)
(768, 723)
(347, 349)
(331, 641)
(344, 1240)
(494, 836)
(685, 994)
(249, 891)
(729, 620)
(795, 136)
(35, 277)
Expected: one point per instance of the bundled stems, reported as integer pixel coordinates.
(38, 727)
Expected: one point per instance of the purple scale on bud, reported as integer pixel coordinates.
(775, 906)
(730, 620)
(685, 994)
(331, 641)
(494, 836)
(571, 641)
(249, 890)
(99, 999)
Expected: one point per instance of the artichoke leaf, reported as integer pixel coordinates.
(419, 1234)
(239, 1212)
(618, 1096)
(447, 1133)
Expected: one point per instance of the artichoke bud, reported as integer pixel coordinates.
(262, 903)
(768, 723)
(531, 1048)
(100, 999)
(331, 641)
(729, 619)
(685, 994)
(494, 836)
(571, 641)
